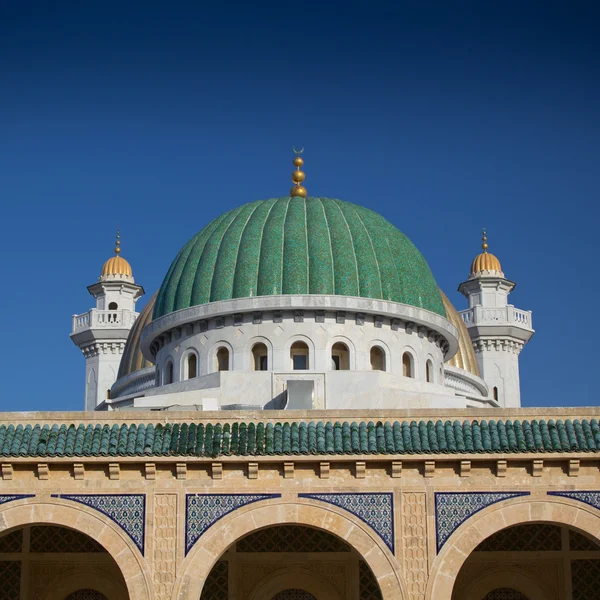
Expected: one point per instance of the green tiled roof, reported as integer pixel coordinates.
(300, 438)
(298, 246)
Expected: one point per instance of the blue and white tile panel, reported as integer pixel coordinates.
(376, 510)
(4, 498)
(588, 497)
(452, 509)
(128, 511)
(203, 510)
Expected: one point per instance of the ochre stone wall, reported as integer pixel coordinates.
(141, 510)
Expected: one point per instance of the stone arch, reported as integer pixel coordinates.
(346, 341)
(312, 358)
(490, 520)
(289, 579)
(54, 511)
(356, 533)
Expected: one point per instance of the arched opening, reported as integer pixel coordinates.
(495, 393)
(87, 571)
(260, 357)
(222, 358)
(168, 373)
(340, 357)
(288, 562)
(429, 371)
(299, 356)
(192, 366)
(113, 306)
(408, 365)
(498, 568)
(377, 359)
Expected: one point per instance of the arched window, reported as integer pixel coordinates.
(113, 306)
(260, 357)
(340, 357)
(495, 393)
(407, 365)
(223, 359)
(168, 373)
(192, 366)
(377, 359)
(429, 371)
(299, 356)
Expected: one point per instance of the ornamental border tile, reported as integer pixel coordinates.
(135, 529)
(445, 526)
(382, 524)
(589, 497)
(4, 498)
(193, 532)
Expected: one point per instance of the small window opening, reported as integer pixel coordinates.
(192, 366)
(108, 394)
(223, 359)
(407, 365)
(377, 359)
(169, 373)
(260, 356)
(495, 393)
(299, 356)
(429, 370)
(340, 357)
(113, 306)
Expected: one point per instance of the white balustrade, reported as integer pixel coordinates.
(103, 319)
(479, 315)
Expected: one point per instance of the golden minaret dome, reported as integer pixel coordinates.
(485, 261)
(116, 266)
(298, 176)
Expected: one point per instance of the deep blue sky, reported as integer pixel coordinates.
(157, 118)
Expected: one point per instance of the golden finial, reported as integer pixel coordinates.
(484, 244)
(118, 243)
(298, 176)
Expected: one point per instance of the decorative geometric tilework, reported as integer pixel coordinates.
(581, 543)
(585, 579)
(126, 510)
(294, 594)
(368, 587)
(591, 498)
(452, 509)
(376, 510)
(216, 586)
(86, 595)
(203, 510)
(9, 497)
(49, 538)
(533, 537)
(11, 542)
(291, 538)
(505, 594)
(10, 578)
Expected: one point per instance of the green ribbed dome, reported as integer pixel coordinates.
(298, 246)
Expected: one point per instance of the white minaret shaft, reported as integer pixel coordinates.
(498, 330)
(101, 332)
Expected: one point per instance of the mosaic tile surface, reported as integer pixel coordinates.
(203, 510)
(591, 498)
(452, 509)
(4, 498)
(298, 246)
(376, 510)
(126, 510)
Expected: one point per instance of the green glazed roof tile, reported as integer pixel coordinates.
(298, 246)
(300, 438)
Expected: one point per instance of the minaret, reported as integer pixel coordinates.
(498, 330)
(101, 333)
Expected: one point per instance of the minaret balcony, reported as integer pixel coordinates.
(504, 321)
(103, 319)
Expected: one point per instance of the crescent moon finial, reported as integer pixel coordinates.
(298, 152)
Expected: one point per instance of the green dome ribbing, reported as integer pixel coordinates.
(298, 246)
